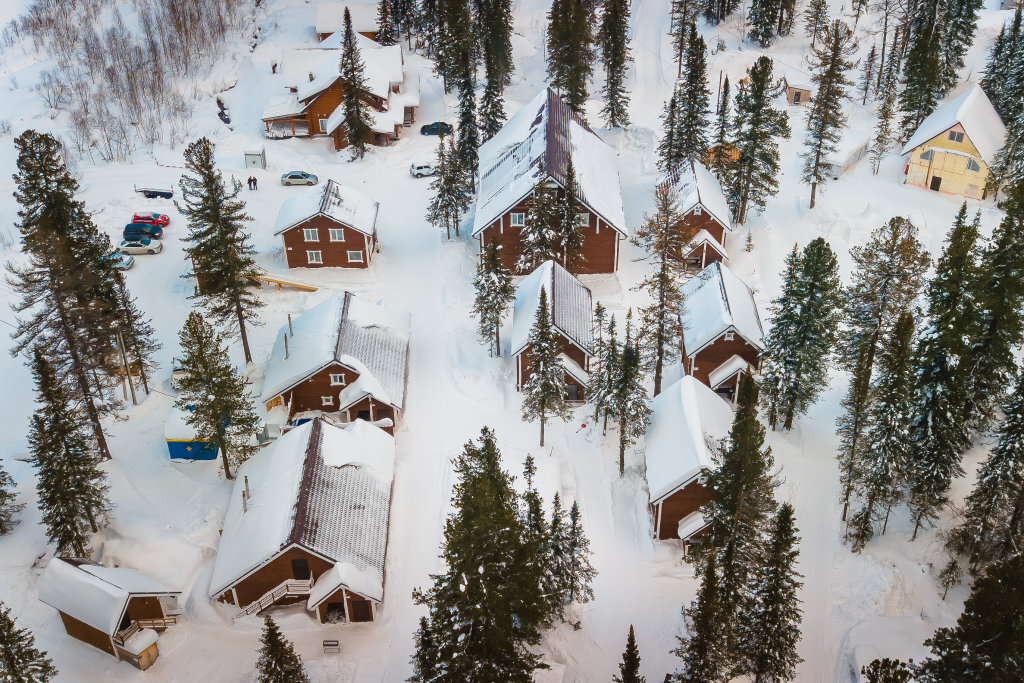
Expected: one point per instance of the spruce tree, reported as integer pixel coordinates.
(494, 293)
(693, 100)
(451, 190)
(495, 26)
(214, 397)
(629, 397)
(138, 336)
(485, 611)
(719, 161)
(763, 20)
(387, 33)
(815, 18)
(571, 51)
(886, 670)
(825, 119)
(553, 583)
(787, 10)
(867, 77)
(278, 661)
(883, 138)
(568, 233)
(579, 572)
(424, 658)
(629, 669)
(538, 235)
(539, 542)
(921, 73)
(492, 110)
(682, 13)
(1000, 62)
(804, 328)
(662, 238)
(614, 40)
(958, 29)
(670, 149)
(757, 125)
(704, 654)
(545, 395)
(9, 508)
(20, 660)
(222, 256)
(770, 629)
(606, 364)
(468, 141)
(358, 124)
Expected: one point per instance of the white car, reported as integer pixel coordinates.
(140, 245)
(420, 170)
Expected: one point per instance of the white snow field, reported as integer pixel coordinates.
(167, 516)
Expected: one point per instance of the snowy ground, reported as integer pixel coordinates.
(167, 516)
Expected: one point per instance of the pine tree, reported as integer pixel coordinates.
(629, 398)
(353, 82)
(544, 393)
(579, 571)
(921, 73)
(495, 26)
(825, 119)
(662, 238)
(451, 190)
(568, 235)
(950, 576)
(883, 129)
(1000, 62)
(223, 258)
(606, 364)
(787, 10)
(404, 17)
(8, 507)
(20, 661)
(278, 661)
(214, 397)
(571, 51)
(492, 110)
(554, 582)
(719, 162)
(468, 141)
(138, 336)
(424, 658)
(494, 293)
(539, 540)
(763, 20)
(958, 28)
(629, 669)
(614, 40)
(886, 671)
(694, 97)
(816, 17)
(670, 153)
(987, 642)
(801, 341)
(867, 77)
(387, 33)
(485, 611)
(770, 629)
(757, 125)
(704, 655)
(538, 235)
(682, 13)
(72, 488)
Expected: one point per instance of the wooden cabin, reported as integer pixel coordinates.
(953, 149)
(308, 523)
(706, 218)
(330, 226)
(114, 609)
(571, 310)
(546, 133)
(330, 19)
(798, 87)
(722, 335)
(346, 358)
(687, 418)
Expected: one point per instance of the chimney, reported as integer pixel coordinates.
(245, 503)
(247, 494)
(290, 331)
(286, 347)
(310, 76)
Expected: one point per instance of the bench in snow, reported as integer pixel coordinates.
(331, 647)
(154, 192)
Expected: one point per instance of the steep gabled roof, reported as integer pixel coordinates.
(972, 110)
(546, 130)
(320, 487)
(331, 200)
(715, 300)
(695, 185)
(569, 301)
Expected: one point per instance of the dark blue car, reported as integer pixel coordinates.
(134, 231)
(436, 128)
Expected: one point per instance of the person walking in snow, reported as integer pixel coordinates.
(254, 183)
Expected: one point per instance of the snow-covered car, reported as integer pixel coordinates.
(161, 219)
(418, 170)
(141, 245)
(178, 373)
(122, 261)
(299, 178)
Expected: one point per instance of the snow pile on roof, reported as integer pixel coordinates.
(694, 184)
(332, 200)
(727, 369)
(282, 106)
(796, 79)
(857, 135)
(297, 63)
(546, 130)
(310, 347)
(330, 17)
(140, 640)
(569, 301)
(684, 416)
(93, 594)
(715, 300)
(382, 66)
(321, 487)
(972, 110)
(177, 428)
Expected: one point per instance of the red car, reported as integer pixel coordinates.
(160, 219)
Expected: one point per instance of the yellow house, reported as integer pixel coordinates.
(954, 147)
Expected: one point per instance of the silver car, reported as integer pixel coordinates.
(418, 170)
(299, 178)
(141, 245)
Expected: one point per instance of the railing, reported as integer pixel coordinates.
(284, 589)
(158, 624)
(127, 633)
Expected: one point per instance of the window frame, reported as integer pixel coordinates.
(331, 233)
(306, 232)
(730, 335)
(358, 260)
(337, 375)
(977, 166)
(318, 260)
(323, 125)
(956, 136)
(512, 219)
(927, 155)
(583, 219)
(326, 400)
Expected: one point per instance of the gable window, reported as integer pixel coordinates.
(337, 234)
(972, 165)
(327, 400)
(697, 211)
(337, 379)
(926, 156)
(729, 336)
(517, 220)
(311, 234)
(582, 220)
(956, 136)
(314, 257)
(355, 257)
(323, 125)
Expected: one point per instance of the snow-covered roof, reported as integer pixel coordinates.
(796, 79)
(972, 110)
(546, 130)
(177, 428)
(321, 487)
(382, 66)
(726, 370)
(330, 16)
(574, 369)
(684, 417)
(282, 106)
(856, 136)
(569, 301)
(371, 339)
(695, 185)
(705, 237)
(715, 300)
(93, 594)
(332, 200)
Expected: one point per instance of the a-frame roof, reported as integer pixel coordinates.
(975, 113)
(695, 186)
(716, 300)
(569, 302)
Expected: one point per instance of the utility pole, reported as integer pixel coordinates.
(124, 360)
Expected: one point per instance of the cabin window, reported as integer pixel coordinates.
(323, 125)
(314, 257)
(927, 156)
(729, 336)
(582, 220)
(327, 400)
(337, 234)
(337, 379)
(517, 220)
(355, 257)
(697, 211)
(956, 136)
(972, 165)
(311, 234)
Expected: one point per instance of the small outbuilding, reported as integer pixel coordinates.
(328, 226)
(798, 87)
(182, 443)
(706, 219)
(114, 609)
(256, 158)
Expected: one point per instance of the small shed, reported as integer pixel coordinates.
(798, 87)
(182, 443)
(256, 158)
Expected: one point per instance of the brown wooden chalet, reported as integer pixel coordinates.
(722, 335)
(311, 105)
(547, 133)
(686, 419)
(345, 357)
(330, 226)
(706, 219)
(114, 609)
(308, 523)
(569, 302)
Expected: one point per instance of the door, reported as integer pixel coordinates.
(796, 97)
(300, 569)
(360, 610)
(936, 181)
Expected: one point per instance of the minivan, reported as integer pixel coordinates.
(136, 230)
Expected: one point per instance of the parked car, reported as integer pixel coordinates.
(122, 261)
(134, 231)
(422, 169)
(142, 245)
(178, 373)
(436, 128)
(155, 192)
(161, 219)
(299, 178)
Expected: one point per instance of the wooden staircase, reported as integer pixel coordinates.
(288, 588)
